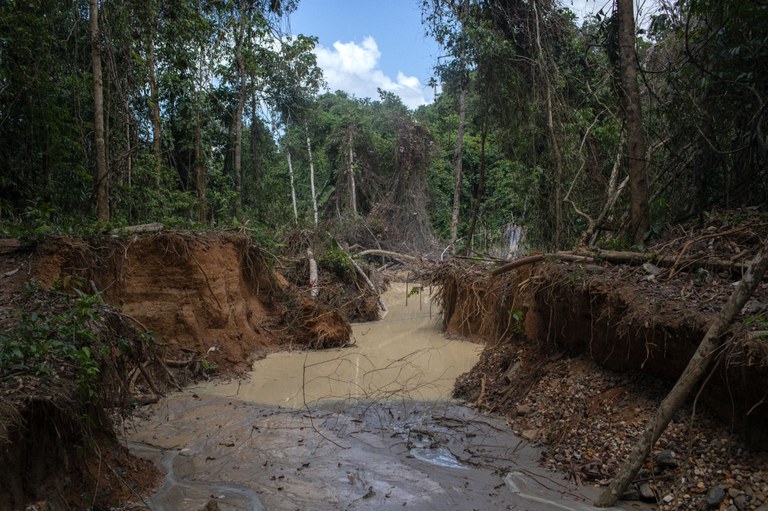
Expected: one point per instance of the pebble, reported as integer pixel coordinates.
(715, 496)
(666, 459)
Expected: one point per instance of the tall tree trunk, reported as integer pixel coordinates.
(311, 173)
(457, 167)
(633, 123)
(553, 140)
(155, 105)
(102, 179)
(293, 187)
(700, 361)
(200, 171)
(238, 128)
(480, 195)
(352, 189)
(458, 152)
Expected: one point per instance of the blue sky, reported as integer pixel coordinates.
(365, 44)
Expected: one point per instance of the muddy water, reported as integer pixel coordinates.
(360, 428)
(402, 355)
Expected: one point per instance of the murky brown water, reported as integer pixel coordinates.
(403, 355)
(362, 428)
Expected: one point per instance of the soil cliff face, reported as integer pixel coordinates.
(198, 293)
(203, 294)
(563, 308)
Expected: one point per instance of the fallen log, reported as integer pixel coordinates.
(137, 229)
(387, 253)
(613, 256)
(697, 366)
(368, 282)
(563, 256)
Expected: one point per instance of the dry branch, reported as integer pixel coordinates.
(696, 368)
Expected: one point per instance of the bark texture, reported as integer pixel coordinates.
(633, 123)
(102, 179)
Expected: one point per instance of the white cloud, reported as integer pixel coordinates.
(354, 68)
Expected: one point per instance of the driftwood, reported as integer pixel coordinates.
(696, 368)
(137, 229)
(563, 256)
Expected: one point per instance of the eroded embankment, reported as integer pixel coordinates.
(553, 329)
(209, 301)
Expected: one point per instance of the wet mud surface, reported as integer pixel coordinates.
(365, 427)
(395, 455)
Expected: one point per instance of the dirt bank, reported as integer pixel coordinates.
(178, 307)
(578, 356)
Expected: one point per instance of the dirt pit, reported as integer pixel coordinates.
(332, 448)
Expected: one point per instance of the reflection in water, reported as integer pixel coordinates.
(403, 355)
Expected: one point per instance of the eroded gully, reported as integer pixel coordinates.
(365, 427)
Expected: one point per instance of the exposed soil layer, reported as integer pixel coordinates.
(579, 356)
(210, 301)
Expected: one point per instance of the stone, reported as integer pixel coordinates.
(523, 410)
(530, 434)
(741, 502)
(646, 492)
(715, 496)
(632, 493)
(666, 459)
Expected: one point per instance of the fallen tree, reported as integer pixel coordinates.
(696, 368)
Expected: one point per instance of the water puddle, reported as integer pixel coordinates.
(367, 427)
(403, 355)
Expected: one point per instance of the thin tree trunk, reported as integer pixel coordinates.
(696, 368)
(311, 173)
(352, 189)
(313, 276)
(239, 119)
(102, 179)
(155, 105)
(479, 197)
(457, 168)
(553, 140)
(633, 122)
(293, 187)
(200, 172)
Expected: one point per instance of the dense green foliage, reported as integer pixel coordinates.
(205, 101)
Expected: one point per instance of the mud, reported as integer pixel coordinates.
(403, 355)
(332, 447)
(409, 454)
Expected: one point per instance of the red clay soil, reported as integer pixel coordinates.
(206, 295)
